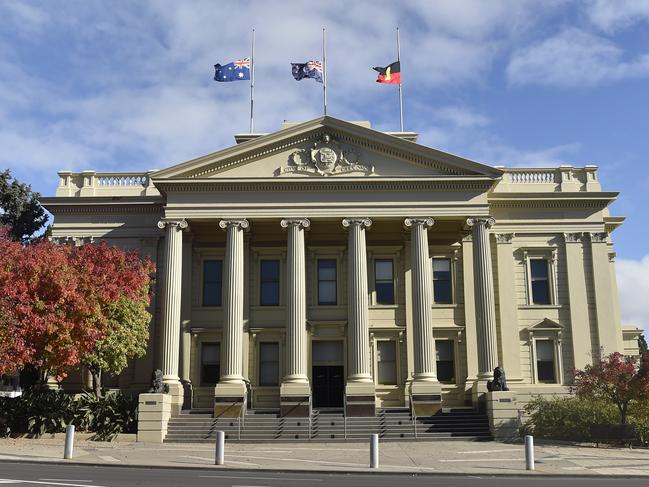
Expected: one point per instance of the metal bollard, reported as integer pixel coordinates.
(220, 448)
(374, 451)
(529, 452)
(69, 442)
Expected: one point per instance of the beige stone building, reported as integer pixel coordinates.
(331, 265)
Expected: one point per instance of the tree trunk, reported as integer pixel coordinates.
(96, 380)
(623, 412)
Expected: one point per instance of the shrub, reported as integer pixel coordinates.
(38, 412)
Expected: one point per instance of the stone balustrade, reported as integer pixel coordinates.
(92, 183)
(542, 180)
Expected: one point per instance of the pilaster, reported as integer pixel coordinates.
(185, 323)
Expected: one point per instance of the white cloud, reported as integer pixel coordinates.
(633, 284)
(612, 15)
(461, 116)
(574, 58)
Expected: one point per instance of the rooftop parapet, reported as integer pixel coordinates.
(565, 179)
(92, 183)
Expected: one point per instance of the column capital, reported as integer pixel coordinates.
(361, 221)
(302, 222)
(180, 224)
(598, 237)
(413, 222)
(574, 237)
(240, 223)
(504, 238)
(487, 221)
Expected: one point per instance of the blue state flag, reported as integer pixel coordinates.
(311, 69)
(235, 71)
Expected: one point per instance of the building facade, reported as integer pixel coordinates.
(331, 265)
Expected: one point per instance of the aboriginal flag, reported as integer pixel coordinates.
(390, 74)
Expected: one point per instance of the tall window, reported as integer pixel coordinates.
(326, 281)
(269, 278)
(545, 361)
(445, 360)
(210, 363)
(384, 281)
(540, 280)
(268, 364)
(442, 285)
(386, 358)
(212, 282)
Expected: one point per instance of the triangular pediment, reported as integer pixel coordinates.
(328, 148)
(546, 325)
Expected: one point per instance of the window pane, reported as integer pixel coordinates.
(545, 350)
(383, 270)
(539, 268)
(327, 270)
(442, 292)
(212, 282)
(269, 294)
(210, 363)
(387, 364)
(384, 293)
(442, 265)
(445, 360)
(545, 360)
(327, 292)
(540, 292)
(270, 270)
(268, 364)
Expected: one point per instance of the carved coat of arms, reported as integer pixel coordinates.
(325, 158)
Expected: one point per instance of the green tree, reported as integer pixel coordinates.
(642, 344)
(19, 208)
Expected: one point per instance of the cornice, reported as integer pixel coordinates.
(594, 200)
(448, 183)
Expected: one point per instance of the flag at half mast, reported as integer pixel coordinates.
(391, 74)
(238, 70)
(311, 69)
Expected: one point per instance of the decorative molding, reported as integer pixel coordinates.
(180, 224)
(467, 238)
(487, 221)
(361, 221)
(573, 237)
(303, 222)
(612, 256)
(325, 158)
(504, 238)
(241, 223)
(413, 222)
(598, 203)
(598, 237)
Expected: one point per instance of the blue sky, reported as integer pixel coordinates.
(127, 85)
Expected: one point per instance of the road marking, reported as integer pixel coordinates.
(18, 481)
(258, 478)
(488, 460)
(212, 459)
(490, 451)
(108, 458)
(68, 480)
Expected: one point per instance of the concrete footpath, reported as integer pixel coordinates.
(458, 457)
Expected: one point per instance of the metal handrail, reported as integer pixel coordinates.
(413, 413)
(345, 412)
(310, 412)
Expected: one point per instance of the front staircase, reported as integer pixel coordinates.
(329, 425)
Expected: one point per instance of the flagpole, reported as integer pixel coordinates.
(252, 83)
(400, 90)
(324, 71)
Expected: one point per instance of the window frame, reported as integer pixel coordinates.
(556, 366)
(201, 364)
(318, 280)
(375, 260)
(550, 256)
(259, 363)
(452, 279)
(395, 342)
(204, 261)
(262, 281)
(454, 350)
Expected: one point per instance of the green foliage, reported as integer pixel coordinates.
(39, 412)
(569, 418)
(19, 208)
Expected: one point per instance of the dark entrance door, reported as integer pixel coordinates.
(328, 386)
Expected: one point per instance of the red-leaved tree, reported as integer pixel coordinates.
(616, 378)
(53, 301)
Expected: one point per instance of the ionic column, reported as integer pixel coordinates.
(296, 301)
(231, 347)
(171, 297)
(294, 392)
(358, 345)
(422, 298)
(484, 297)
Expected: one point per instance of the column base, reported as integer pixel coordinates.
(188, 394)
(177, 394)
(360, 399)
(502, 411)
(154, 411)
(479, 395)
(426, 397)
(229, 399)
(294, 399)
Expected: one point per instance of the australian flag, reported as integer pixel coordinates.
(235, 71)
(311, 69)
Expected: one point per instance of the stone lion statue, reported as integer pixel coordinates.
(500, 381)
(157, 385)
